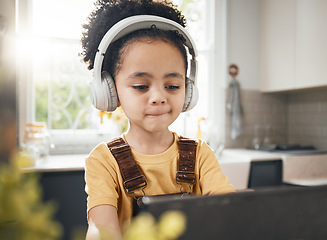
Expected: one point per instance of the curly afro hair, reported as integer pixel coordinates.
(108, 12)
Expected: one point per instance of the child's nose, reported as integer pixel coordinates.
(158, 97)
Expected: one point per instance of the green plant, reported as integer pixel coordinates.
(23, 215)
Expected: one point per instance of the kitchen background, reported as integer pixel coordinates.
(283, 113)
(292, 118)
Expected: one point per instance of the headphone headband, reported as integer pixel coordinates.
(131, 24)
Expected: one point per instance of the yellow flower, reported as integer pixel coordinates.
(118, 117)
(172, 224)
(102, 113)
(199, 133)
(144, 227)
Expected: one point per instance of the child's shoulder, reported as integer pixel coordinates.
(198, 141)
(101, 158)
(99, 151)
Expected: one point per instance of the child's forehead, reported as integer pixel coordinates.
(141, 44)
(152, 59)
(148, 40)
(134, 47)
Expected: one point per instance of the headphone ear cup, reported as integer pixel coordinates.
(191, 95)
(111, 92)
(104, 95)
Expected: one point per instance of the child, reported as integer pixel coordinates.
(146, 69)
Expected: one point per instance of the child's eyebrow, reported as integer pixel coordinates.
(145, 74)
(174, 75)
(139, 74)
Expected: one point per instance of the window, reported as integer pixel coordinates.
(53, 81)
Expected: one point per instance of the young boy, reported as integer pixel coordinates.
(148, 69)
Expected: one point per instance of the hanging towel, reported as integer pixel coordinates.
(234, 107)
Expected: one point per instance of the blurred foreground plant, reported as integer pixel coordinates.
(171, 225)
(23, 215)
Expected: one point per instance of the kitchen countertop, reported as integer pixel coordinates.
(247, 155)
(306, 170)
(299, 169)
(308, 182)
(56, 163)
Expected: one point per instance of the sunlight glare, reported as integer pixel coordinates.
(60, 18)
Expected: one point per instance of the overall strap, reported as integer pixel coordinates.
(130, 171)
(186, 164)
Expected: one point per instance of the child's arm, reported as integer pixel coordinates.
(212, 180)
(103, 218)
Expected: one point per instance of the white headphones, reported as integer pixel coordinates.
(103, 92)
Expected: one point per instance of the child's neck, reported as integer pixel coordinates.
(149, 143)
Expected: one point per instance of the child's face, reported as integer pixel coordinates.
(151, 85)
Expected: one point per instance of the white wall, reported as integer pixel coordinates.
(243, 39)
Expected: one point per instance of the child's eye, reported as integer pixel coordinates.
(141, 87)
(172, 87)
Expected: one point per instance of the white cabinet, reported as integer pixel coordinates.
(311, 43)
(277, 48)
(293, 44)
